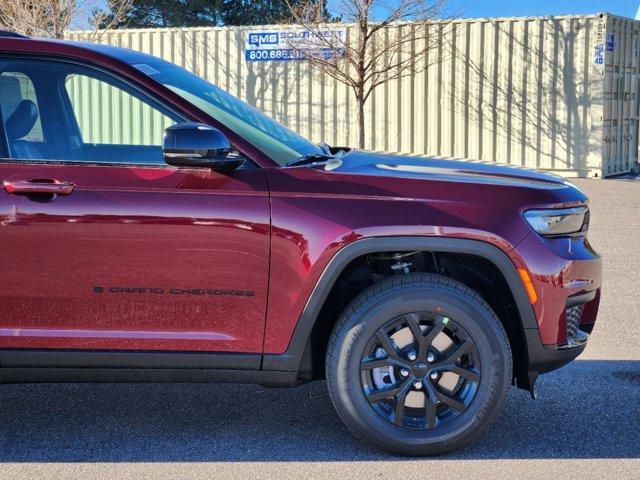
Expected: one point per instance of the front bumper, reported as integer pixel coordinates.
(546, 358)
(567, 276)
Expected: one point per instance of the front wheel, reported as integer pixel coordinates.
(418, 364)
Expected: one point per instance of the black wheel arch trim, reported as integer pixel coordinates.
(292, 358)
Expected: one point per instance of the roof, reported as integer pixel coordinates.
(9, 33)
(108, 55)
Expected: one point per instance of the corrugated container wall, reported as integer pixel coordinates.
(557, 93)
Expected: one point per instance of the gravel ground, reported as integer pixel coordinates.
(586, 423)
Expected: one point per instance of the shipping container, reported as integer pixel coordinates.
(555, 93)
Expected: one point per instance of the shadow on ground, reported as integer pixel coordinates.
(589, 409)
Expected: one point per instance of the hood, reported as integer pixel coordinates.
(442, 169)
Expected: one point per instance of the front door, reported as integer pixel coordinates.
(102, 245)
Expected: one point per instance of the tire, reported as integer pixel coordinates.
(434, 303)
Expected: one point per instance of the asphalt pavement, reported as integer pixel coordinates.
(586, 423)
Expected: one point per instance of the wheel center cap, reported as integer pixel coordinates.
(420, 369)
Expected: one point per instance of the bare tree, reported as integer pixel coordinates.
(393, 40)
(51, 18)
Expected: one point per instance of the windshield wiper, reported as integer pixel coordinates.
(311, 158)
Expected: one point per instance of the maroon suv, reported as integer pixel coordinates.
(155, 228)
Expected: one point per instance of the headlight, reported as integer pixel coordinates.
(559, 222)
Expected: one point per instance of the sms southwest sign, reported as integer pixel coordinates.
(293, 44)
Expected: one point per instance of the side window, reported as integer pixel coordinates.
(59, 111)
(107, 115)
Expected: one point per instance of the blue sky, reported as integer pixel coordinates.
(521, 8)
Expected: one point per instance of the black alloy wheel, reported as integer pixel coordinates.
(418, 364)
(428, 379)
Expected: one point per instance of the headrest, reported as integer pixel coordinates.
(22, 120)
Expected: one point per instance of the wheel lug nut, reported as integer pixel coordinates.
(412, 356)
(433, 376)
(417, 384)
(404, 372)
(431, 358)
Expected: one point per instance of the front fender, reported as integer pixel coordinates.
(291, 359)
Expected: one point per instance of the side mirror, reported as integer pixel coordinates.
(196, 145)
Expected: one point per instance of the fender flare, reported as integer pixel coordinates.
(292, 358)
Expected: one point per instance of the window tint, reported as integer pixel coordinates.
(60, 111)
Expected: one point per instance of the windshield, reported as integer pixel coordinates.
(276, 141)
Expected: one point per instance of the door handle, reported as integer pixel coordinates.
(38, 187)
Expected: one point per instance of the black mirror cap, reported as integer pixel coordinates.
(197, 145)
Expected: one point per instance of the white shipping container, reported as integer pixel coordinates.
(557, 93)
